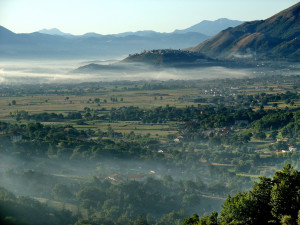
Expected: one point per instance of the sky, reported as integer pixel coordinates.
(117, 16)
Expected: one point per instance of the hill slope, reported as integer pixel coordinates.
(277, 37)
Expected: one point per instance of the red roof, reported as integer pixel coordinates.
(8, 166)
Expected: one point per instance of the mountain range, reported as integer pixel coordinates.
(210, 28)
(206, 27)
(274, 38)
(55, 44)
(277, 37)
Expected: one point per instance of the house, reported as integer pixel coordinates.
(137, 177)
(154, 174)
(5, 167)
(282, 139)
(115, 178)
(15, 136)
(83, 138)
(292, 148)
(176, 140)
(68, 129)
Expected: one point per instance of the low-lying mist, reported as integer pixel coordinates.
(30, 72)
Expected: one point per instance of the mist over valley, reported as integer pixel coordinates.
(196, 126)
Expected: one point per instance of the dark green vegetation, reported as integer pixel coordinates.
(167, 57)
(143, 152)
(270, 201)
(154, 61)
(25, 210)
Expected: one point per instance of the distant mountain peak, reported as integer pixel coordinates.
(54, 31)
(210, 28)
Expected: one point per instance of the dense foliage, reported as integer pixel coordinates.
(270, 201)
(24, 210)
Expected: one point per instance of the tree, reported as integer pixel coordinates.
(260, 135)
(242, 209)
(211, 219)
(273, 134)
(194, 220)
(285, 194)
(274, 201)
(287, 220)
(140, 221)
(262, 192)
(13, 102)
(61, 191)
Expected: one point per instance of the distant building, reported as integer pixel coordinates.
(115, 178)
(176, 140)
(83, 138)
(15, 136)
(5, 167)
(282, 139)
(154, 174)
(67, 129)
(292, 149)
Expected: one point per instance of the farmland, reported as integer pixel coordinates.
(84, 147)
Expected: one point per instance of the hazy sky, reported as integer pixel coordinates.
(116, 16)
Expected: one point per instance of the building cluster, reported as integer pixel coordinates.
(166, 51)
(223, 92)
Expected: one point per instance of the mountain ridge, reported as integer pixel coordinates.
(89, 46)
(206, 27)
(211, 28)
